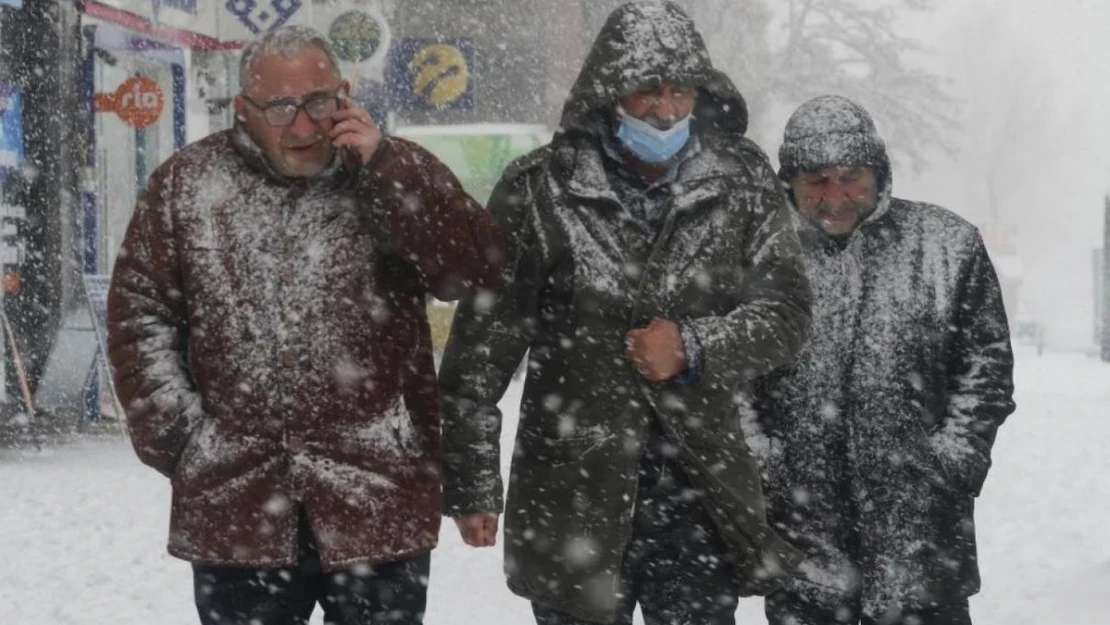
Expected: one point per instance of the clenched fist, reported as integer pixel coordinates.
(478, 529)
(657, 351)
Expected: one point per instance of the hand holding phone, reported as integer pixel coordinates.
(355, 131)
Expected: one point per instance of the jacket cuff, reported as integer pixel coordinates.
(695, 355)
(967, 474)
(463, 503)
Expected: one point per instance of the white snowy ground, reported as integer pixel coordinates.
(82, 527)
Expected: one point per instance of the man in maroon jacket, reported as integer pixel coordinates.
(270, 346)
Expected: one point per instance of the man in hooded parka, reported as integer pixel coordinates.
(651, 271)
(876, 441)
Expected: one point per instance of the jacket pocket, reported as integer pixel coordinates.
(216, 459)
(405, 433)
(188, 454)
(556, 452)
(929, 463)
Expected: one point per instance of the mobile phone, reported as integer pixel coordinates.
(348, 155)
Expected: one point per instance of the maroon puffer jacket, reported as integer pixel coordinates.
(271, 348)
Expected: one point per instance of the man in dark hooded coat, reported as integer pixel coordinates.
(651, 271)
(876, 441)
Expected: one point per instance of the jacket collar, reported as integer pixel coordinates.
(813, 235)
(333, 174)
(581, 162)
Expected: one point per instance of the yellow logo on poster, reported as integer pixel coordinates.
(439, 73)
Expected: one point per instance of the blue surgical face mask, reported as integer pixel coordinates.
(650, 144)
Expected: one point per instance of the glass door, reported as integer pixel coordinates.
(126, 155)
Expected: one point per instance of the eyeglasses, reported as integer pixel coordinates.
(283, 112)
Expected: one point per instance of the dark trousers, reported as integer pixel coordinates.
(393, 593)
(784, 608)
(676, 565)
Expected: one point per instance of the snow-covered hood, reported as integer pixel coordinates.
(646, 44)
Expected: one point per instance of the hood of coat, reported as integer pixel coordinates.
(646, 44)
(829, 131)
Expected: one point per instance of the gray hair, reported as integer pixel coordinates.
(285, 41)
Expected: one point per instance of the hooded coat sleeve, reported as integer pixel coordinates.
(148, 332)
(424, 216)
(980, 376)
(489, 336)
(772, 322)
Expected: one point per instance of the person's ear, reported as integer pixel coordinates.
(240, 108)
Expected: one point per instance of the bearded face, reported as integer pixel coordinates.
(836, 199)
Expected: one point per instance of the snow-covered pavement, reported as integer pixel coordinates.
(82, 526)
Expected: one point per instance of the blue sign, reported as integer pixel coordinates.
(12, 3)
(11, 126)
(260, 16)
(430, 74)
